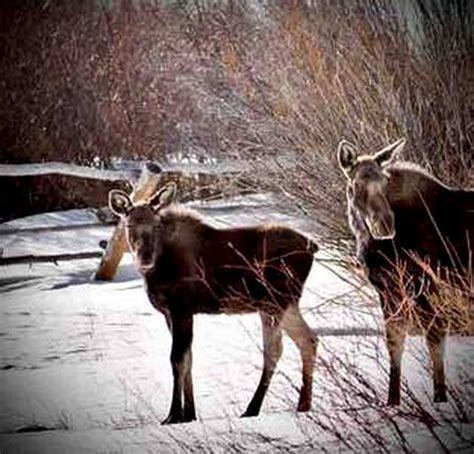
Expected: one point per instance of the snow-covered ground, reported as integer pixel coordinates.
(84, 365)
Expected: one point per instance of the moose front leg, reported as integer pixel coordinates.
(395, 338)
(181, 327)
(395, 316)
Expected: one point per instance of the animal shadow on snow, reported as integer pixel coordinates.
(125, 273)
(10, 284)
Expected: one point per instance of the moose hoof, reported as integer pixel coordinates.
(189, 418)
(172, 419)
(304, 406)
(440, 397)
(393, 400)
(249, 413)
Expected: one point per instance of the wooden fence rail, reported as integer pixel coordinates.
(31, 258)
(55, 228)
(130, 174)
(71, 170)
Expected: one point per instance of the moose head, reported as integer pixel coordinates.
(367, 181)
(142, 223)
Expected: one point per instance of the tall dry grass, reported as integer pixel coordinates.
(277, 81)
(354, 71)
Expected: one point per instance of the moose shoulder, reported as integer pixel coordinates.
(190, 267)
(409, 227)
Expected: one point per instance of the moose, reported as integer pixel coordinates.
(410, 228)
(190, 267)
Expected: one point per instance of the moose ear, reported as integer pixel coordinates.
(390, 152)
(119, 202)
(347, 156)
(163, 197)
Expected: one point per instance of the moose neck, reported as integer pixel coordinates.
(181, 235)
(411, 188)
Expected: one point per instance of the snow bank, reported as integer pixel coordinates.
(85, 364)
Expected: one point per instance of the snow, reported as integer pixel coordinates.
(89, 362)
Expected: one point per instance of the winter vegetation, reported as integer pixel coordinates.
(258, 94)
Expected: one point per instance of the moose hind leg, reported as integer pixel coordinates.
(306, 341)
(395, 339)
(182, 331)
(272, 350)
(436, 341)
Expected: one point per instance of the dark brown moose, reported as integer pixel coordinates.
(410, 228)
(190, 267)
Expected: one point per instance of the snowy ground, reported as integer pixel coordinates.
(84, 365)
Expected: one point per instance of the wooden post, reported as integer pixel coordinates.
(117, 245)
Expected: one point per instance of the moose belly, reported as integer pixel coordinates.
(207, 296)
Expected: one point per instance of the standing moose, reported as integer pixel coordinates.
(190, 267)
(407, 223)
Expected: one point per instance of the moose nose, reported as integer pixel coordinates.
(146, 267)
(382, 228)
